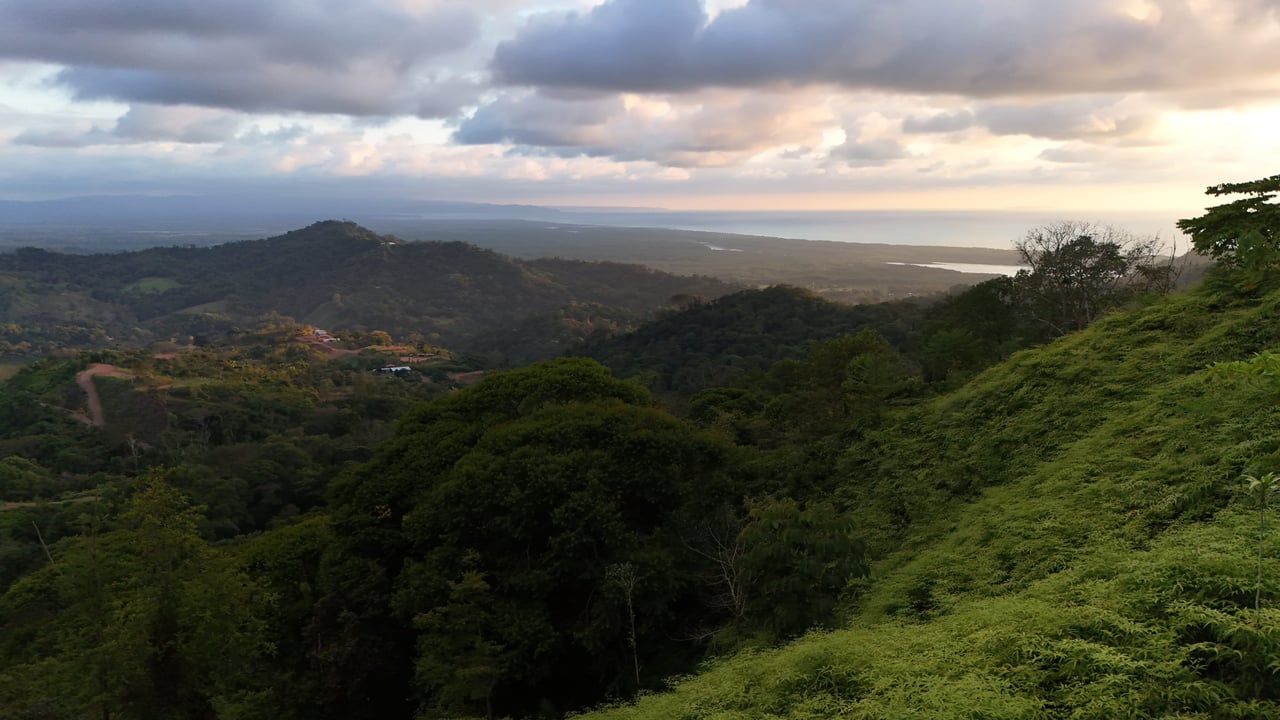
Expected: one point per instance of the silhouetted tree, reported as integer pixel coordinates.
(1078, 270)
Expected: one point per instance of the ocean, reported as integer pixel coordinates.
(955, 228)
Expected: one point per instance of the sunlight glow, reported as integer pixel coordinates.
(1146, 11)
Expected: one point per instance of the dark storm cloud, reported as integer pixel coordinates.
(369, 58)
(976, 48)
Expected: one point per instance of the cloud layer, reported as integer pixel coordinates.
(141, 124)
(975, 48)
(367, 58)
(717, 96)
(720, 129)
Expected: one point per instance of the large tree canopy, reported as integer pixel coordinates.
(1244, 233)
(143, 621)
(505, 516)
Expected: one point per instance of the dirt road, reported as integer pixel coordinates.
(85, 380)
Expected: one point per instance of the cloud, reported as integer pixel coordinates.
(718, 129)
(939, 123)
(807, 97)
(149, 123)
(1093, 118)
(869, 153)
(537, 120)
(368, 58)
(1075, 154)
(140, 124)
(61, 137)
(972, 48)
(636, 45)
(1067, 119)
(1234, 97)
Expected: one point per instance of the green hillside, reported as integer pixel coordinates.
(717, 343)
(330, 274)
(1068, 535)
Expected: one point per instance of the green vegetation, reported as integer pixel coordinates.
(1244, 233)
(150, 286)
(719, 342)
(886, 512)
(143, 620)
(1078, 271)
(501, 510)
(1062, 537)
(252, 430)
(331, 274)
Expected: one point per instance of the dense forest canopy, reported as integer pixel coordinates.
(758, 505)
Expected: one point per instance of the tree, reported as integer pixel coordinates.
(547, 508)
(145, 621)
(22, 479)
(1077, 271)
(1244, 233)
(457, 658)
(973, 329)
(529, 530)
(797, 560)
(781, 569)
(288, 563)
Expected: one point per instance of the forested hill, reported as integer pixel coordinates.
(1072, 534)
(329, 274)
(719, 342)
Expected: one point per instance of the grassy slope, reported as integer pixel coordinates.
(1077, 544)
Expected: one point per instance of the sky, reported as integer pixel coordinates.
(1099, 105)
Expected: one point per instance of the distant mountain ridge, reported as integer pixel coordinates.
(331, 273)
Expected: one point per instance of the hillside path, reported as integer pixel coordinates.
(84, 379)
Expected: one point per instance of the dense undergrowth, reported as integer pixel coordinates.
(1066, 536)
